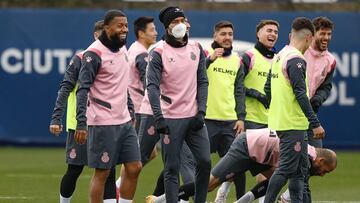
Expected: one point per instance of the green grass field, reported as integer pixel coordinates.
(33, 175)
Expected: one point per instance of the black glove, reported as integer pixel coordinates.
(315, 104)
(260, 97)
(162, 127)
(198, 121)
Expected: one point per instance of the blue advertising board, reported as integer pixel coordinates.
(37, 44)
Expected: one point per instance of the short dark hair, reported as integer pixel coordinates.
(264, 22)
(222, 24)
(303, 23)
(328, 155)
(322, 22)
(111, 14)
(141, 23)
(99, 26)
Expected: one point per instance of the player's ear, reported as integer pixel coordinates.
(322, 160)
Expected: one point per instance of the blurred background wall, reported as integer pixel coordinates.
(38, 39)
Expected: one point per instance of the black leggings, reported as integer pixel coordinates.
(68, 182)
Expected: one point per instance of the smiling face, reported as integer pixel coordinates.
(322, 39)
(117, 29)
(268, 35)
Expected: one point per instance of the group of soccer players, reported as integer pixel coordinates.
(257, 110)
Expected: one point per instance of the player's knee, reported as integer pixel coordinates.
(133, 169)
(101, 174)
(74, 170)
(172, 168)
(204, 164)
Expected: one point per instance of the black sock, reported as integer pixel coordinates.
(240, 184)
(68, 182)
(159, 189)
(260, 189)
(110, 187)
(186, 191)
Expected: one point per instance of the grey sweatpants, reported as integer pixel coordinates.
(293, 165)
(148, 137)
(198, 143)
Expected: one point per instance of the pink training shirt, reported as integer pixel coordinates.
(263, 146)
(136, 85)
(110, 85)
(319, 64)
(179, 79)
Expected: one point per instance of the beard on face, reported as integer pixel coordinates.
(228, 42)
(314, 170)
(117, 41)
(320, 46)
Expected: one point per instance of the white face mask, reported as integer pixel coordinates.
(179, 30)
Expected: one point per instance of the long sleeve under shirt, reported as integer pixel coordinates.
(154, 73)
(141, 64)
(87, 77)
(67, 85)
(296, 70)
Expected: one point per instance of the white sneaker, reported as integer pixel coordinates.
(150, 199)
(282, 199)
(222, 193)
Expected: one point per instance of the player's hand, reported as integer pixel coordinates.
(217, 53)
(239, 127)
(56, 129)
(162, 127)
(81, 136)
(319, 132)
(198, 122)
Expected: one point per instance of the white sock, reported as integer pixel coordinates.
(247, 198)
(121, 200)
(161, 198)
(225, 186)
(65, 200)
(118, 182)
(261, 199)
(286, 195)
(109, 200)
(183, 201)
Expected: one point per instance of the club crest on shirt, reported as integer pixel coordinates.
(193, 56)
